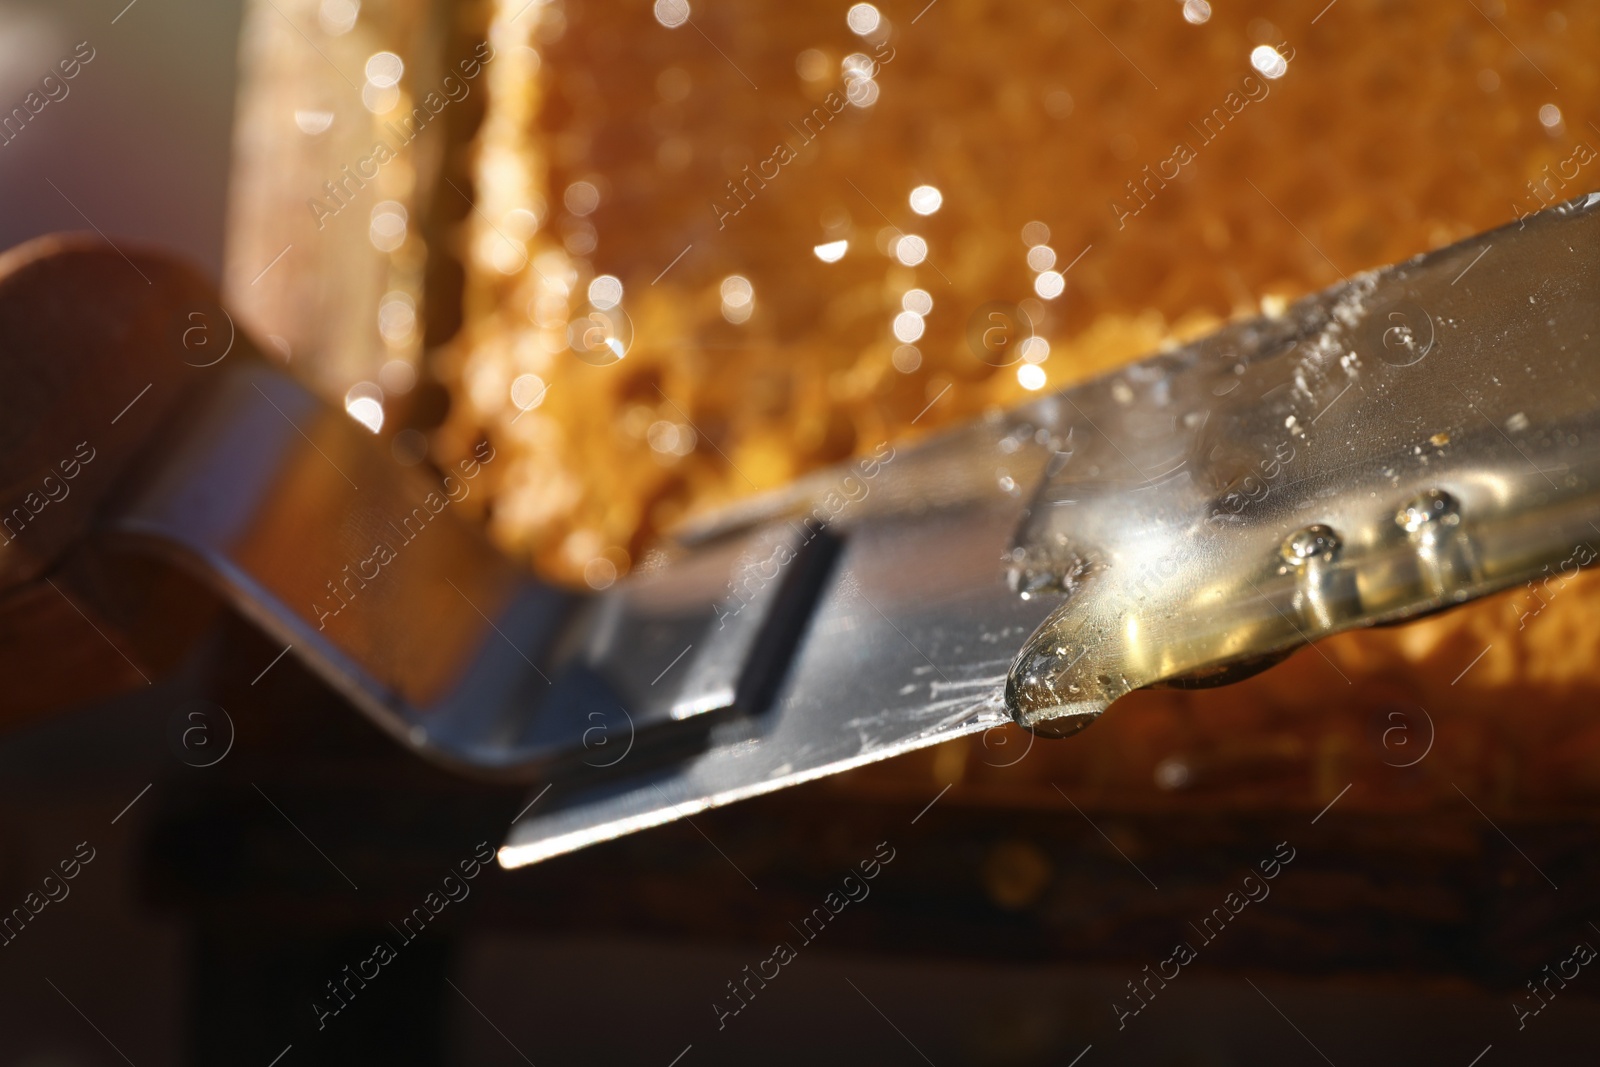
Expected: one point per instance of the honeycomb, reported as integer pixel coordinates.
(716, 246)
(737, 198)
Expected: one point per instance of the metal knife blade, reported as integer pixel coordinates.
(1412, 439)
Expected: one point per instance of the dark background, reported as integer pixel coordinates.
(225, 897)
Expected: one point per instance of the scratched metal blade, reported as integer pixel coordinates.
(908, 645)
(1158, 519)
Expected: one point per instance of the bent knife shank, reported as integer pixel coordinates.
(1414, 438)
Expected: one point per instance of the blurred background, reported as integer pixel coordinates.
(141, 142)
(223, 899)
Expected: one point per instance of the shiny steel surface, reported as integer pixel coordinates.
(364, 568)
